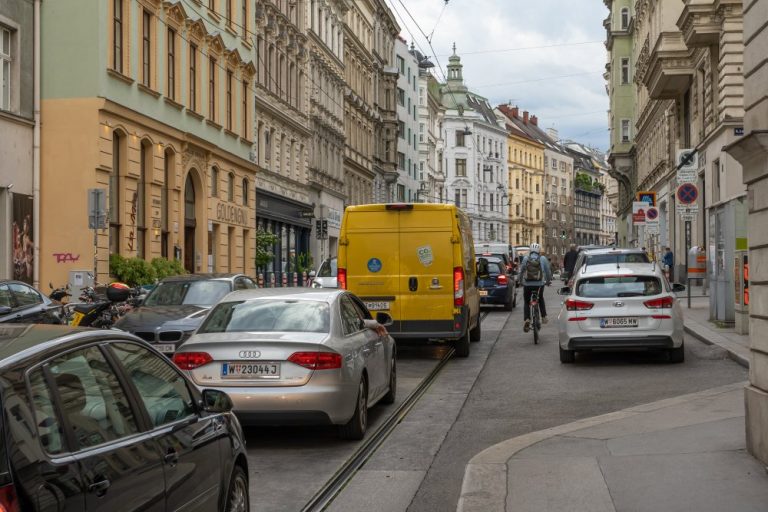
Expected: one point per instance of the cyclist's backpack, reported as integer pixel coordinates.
(533, 270)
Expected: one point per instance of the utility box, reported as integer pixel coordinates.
(741, 291)
(697, 266)
(79, 279)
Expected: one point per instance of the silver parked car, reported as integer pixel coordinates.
(295, 357)
(621, 306)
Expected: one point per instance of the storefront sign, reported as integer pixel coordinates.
(647, 197)
(231, 214)
(638, 212)
(334, 218)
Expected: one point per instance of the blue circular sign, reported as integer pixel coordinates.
(687, 193)
(374, 264)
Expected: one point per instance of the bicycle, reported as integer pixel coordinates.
(535, 316)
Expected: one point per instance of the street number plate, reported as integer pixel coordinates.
(377, 306)
(250, 370)
(608, 323)
(483, 293)
(166, 348)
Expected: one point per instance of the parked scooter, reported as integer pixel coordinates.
(100, 311)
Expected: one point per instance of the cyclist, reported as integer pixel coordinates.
(535, 272)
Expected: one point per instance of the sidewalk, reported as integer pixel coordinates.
(680, 454)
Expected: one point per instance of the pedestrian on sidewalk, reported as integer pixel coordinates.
(668, 260)
(569, 261)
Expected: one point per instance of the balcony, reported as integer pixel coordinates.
(699, 23)
(669, 70)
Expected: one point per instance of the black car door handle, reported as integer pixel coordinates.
(171, 458)
(413, 284)
(100, 487)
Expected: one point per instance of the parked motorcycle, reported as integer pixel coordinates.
(60, 294)
(102, 311)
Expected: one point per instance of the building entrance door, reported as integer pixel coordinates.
(189, 224)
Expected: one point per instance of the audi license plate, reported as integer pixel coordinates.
(377, 306)
(250, 370)
(483, 293)
(608, 323)
(166, 348)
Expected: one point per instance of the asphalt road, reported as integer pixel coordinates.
(508, 387)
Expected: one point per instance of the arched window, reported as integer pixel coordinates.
(114, 193)
(231, 188)
(245, 191)
(214, 182)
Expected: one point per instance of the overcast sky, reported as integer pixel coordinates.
(575, 103)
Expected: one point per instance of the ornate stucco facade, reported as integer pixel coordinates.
(156, 113)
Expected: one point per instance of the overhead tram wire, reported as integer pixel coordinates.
(525, 48)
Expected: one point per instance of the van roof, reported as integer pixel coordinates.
(396, 206)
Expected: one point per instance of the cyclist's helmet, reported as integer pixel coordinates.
(535, 248)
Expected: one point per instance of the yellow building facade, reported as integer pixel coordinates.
(159, 121)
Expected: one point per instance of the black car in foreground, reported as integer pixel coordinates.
(23, 304)
(177, 306)
(96, 420)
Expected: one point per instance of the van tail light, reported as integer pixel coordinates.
(502, 280)
(661, 303)
(9, 502)
(578, 305)
(191, 360)
(458, 286)
(316, 360)
(341, 278)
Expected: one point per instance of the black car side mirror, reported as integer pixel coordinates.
(4, 310)
(216, 401)
(565, 290)
(678, 288)
(384, 318)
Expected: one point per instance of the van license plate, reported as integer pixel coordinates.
(607, 323)
(377, 306)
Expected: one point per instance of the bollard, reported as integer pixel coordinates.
(295, 279)
(285, 279)
(272, 279)
(304, 279)
(261, 280)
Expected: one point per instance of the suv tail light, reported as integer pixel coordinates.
(316, 360)
(191, 360)
(341, 278)
(661, 303)
(458, 286)
(577, 305)
(9, 502)
(502, 280)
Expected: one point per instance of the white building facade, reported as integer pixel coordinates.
(407, 184)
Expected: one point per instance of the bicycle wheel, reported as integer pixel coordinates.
(536, 324)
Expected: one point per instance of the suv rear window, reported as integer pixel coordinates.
(618, 286)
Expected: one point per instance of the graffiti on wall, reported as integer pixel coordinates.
(66, 257)
(132, 232)
(23, 246)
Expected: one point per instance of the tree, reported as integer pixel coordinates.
(264, 242)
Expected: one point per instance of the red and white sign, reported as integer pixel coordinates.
(639, 209)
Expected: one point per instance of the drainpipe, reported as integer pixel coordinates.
(36, 149)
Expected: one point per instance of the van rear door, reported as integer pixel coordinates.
(373, 272)
(426, 270)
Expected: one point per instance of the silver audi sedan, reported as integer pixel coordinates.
(295, 356)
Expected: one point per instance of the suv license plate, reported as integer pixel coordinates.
(166, 348)
(377, 306)
(608, 323)
(250, 370)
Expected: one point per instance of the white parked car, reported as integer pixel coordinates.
(621, 306)
(325, 277)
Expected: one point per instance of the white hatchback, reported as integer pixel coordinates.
(626, 306)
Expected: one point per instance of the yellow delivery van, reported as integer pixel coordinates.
(417, 263)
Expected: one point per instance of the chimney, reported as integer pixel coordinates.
(525, 116)
(534, 121)
(515, 110)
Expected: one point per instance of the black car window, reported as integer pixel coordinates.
(618, 286)
(268, 315)
(25, 295)
(494, 268)
(162, 389)
(632, 257)
(240, 284)
(5, 296)
(94, 404)
(49, 430)
(351, 320)
(249, 284)
(360, 307)
(328, 268)
(199, 293)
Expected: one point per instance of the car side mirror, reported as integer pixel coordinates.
(678, 288)
(565, 290)
(216, 401)
(312, 273)
(4, 310)
(384, 318)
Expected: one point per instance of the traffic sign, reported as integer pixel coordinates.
(687, 193)
(687, 166)
(652, 214)
(647, 197)
(638, 213)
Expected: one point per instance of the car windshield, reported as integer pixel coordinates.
(268, 316)
(198, 293)
(327, 269)
(618, 286)
(619, 257)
